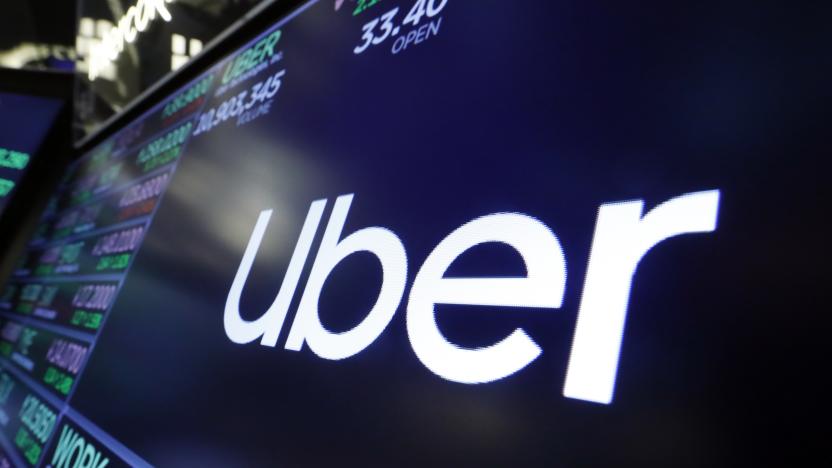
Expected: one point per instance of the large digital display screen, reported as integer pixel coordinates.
(55, 305)
(24, 122)
(421, 233)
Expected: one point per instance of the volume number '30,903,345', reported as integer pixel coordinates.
(234, 106)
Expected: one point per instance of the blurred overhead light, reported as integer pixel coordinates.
(182, 49)
(29, 54)
(137, 19)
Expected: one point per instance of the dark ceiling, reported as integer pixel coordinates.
(37, 21)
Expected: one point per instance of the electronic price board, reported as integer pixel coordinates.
(421, 233)
(55, 304)
(24, 123)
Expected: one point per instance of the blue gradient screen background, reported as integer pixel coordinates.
(544, 108)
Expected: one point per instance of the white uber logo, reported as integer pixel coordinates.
(623, 235)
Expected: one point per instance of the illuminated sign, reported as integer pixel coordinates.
(622, 237)
(135, 20)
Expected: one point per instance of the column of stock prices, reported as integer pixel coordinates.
(56, 302)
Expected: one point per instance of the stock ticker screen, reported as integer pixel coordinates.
(24, 122)
(419, 233)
